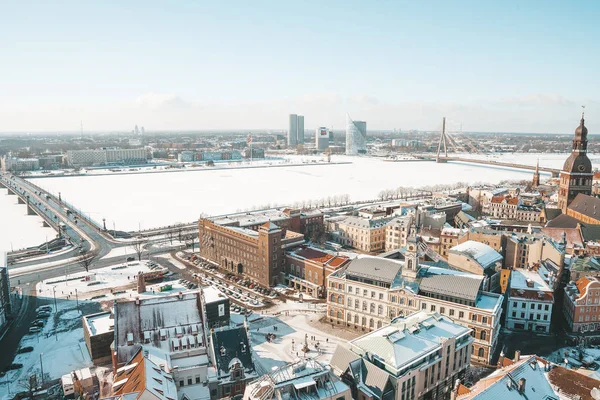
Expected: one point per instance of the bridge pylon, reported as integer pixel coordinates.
(439, 159)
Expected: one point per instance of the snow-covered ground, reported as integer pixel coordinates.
(292, 330)
(20, 230)
(59, 347)
(133, 201)
(93, 283)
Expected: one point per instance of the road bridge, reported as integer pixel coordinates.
(553, 171)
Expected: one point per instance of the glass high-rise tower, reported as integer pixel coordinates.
(296, 130)
(356, 136)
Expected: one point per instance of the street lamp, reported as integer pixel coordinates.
(42, 367)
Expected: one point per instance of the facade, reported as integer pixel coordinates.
(295, 130)
(253, 244)
(356, 137)
(232, 357)
(526, 250)
(396, 233)
(512, 208)
(580, 307)
(8, 163)
(576, 176)
(529, 302)
(414, 357)
(307, 268)
(448, 239)
(88, 158)
(301, 380)
(5, 303)
(369, 292)
(368, 235)
(322, 138)
(99, 333)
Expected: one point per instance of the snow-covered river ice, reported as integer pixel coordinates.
(157, 199)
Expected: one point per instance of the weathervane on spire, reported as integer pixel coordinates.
(582, 111)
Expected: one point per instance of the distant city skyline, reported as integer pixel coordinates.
(490, 66)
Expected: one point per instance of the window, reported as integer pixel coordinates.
(461, 314)
(432, 308)
(189, 381)
(423, 306)
(546, 307)
(442, 310)
(483, 335)
(480, 352)
(380, 296)
(451, 312)
(484, 320)
(181, 383)
(514, 303)
(197, 379)
(532, 306)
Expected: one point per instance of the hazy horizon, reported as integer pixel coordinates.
(490, 66)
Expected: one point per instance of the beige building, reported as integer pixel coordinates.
(369, 292)
(363, 234)
(525, 250)
(415, 357)
(448, 239)
(396, 232)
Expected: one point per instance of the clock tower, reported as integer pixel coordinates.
(411, 255)
(576, 175)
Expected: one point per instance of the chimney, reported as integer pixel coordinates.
(521, 385)
(455, 390)
(501, 359)
(517, 355)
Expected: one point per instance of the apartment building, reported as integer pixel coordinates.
(8, 163)
(529, 302)
(479, 259)
(448, 239)
(396, 232)
(511, 208)
(257, 255)
(364, 234)
(307, 268)
(87, 158)
(414, 357)
(581, 306)
(523, 250)
(369, 292)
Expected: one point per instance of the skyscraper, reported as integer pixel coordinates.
(300, 132)
(293, 131)
(136, 130)
(356, 136)
(321, 138)
(142, 131)
(576, 175)
(296, 130)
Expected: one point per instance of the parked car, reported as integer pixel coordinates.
(34, 329)
(27, 349)
(130, 259)
(14, 366)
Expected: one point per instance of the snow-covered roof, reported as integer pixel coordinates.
(173, 324)
(212, 294)
(408, 339)
(528, 280)
(100, 323)
(485, 255)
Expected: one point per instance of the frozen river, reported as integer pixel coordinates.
(157, 199)
(17, 229)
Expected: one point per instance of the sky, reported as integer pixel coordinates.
(514, 66)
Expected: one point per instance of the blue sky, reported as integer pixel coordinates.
(490, 65)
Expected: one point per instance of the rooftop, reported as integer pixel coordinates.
(530, 285)
(586, 205)
(100, 323)
(407, 339)
(459, 286)
(480, 252)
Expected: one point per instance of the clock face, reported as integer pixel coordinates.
(581, 167)
(410, 248)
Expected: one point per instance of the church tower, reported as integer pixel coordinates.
(576, 175)
(536, 175)
(411, 255)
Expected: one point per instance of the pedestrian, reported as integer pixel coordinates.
(326, 340)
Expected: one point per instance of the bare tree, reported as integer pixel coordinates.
(138, 247)
(85, 260)
(171, 235)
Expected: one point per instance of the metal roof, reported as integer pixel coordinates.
(464, 287)
(376, 268)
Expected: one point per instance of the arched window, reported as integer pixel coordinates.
(356, 303)
(372, 309)
(480, 352)
(364, 321)
(340, 299)
(332, 297)
(378, 324)
(339, 315)
(371, 323)
(483, 335)
(331, 312)
(379, 309)
(402, 300)
(349, 317)
(356, 319)
(410, 264)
